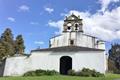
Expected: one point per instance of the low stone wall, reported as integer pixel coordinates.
(2, 66)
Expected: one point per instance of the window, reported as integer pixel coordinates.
(71, 42)
(76, 26)
(69, 28)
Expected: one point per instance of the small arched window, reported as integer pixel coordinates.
(68, 28)
(76, 26)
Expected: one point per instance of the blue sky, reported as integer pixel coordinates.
(39, 20)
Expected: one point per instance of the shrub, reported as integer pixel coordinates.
(117, 71)
(85, 72)
(41, 72)
(78, 73)
(97, 74)
(30, 73)
(71, 72)
(51, 72)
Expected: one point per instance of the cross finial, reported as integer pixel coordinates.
(72, 13)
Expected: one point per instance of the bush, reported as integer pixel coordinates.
(97, 74)
(78, 73)
(71, 72)
(85, 72)
(51, 72)
(41, 72)
(30, 73)
(117, 71)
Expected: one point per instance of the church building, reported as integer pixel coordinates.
(72, 49)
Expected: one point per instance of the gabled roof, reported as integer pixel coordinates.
(68, 48)
(72, 17)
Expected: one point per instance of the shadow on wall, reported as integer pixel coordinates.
(2, 66)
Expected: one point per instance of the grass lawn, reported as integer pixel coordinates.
(107, 77)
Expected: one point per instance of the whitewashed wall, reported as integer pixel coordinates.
(61, 40)
(16, 66)
(79, 38)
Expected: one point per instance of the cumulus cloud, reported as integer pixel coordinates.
(56, 24)
(48, 9)
(105, 4)
(104, 25)
(23, 8)
(11, 19)
(39, 42)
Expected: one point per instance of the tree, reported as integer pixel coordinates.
(19, 45)
(114, 58)
(2, 51)
(8, 42)
(7, 36)
(9, 46)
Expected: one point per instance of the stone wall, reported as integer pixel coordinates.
(2, 66)
(17, 66)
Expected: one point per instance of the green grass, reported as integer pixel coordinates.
(59, 77)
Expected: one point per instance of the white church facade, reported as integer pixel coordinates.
(73, 49)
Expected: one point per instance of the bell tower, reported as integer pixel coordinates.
(72, 23)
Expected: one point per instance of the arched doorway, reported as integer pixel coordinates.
(65, 64)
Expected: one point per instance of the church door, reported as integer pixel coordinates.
(65, 64)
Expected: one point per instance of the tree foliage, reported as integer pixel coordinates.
(114, 58)
(2, 51)
(19, 45)
(8, 45)
(8, 42)
(7, 36)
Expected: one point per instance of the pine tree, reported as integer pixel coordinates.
(19, 45)
(8, 42)
(114, 58)
(7, 36)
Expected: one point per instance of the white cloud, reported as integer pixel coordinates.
(49, 10)
(39, 42)
(11, 19)
(105, 4)
(23, 8)
(57, 24)
(104, 25)
(34, 23)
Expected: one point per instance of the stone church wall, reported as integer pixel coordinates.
(17, 66)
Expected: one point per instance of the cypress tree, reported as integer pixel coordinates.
(8, 42)
(2, 51)
(19, 45)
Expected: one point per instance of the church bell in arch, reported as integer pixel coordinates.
(73, 23)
